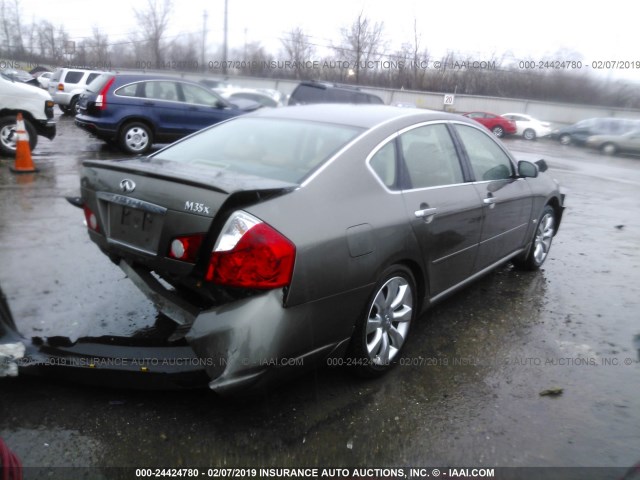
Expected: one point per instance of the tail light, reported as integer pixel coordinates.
(92, 220)
(61, 87)
(101, 99)
(251, 254)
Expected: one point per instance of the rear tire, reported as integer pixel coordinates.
(135, 137)
(384, 325)
(541, 242)
(72, 107)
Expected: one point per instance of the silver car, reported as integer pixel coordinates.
(612, 144)
(291, 236)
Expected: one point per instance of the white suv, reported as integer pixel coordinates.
(36, 107)
(67, 84)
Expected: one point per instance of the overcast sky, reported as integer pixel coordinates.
(534, 29)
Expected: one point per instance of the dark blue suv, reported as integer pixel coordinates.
(136, 111)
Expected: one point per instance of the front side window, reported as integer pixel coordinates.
(198, 96)
(430, 157)
(488, 160)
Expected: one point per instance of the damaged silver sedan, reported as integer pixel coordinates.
(289, 237)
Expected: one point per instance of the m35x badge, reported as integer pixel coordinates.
(127, 185)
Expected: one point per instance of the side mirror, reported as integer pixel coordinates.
(542, 165)
(527, 169)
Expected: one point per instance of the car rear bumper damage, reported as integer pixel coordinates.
(239, 346)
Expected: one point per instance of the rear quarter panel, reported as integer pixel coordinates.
(346, 227)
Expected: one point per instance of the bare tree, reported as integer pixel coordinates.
(98, 46)
(361, 44)
(298, 49)
(11, 27)
(153, 22)
(184, 52)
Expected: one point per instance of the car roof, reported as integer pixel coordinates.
(136, 77)
(356, 115)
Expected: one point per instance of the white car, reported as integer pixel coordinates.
(43, 79)
(529, 127)
(263, 96)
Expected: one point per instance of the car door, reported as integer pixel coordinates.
(629, 142)
(203, 107)
(507, 200)
(444, 210)
(165, 108)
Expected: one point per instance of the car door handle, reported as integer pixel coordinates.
(149, 103)
(426, 213)
(490, 201)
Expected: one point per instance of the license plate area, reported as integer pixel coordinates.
(133, 223)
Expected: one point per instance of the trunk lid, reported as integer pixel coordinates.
(141, 205)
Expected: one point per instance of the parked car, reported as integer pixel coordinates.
(580, 131)
(43, 79)
(136, 111)
(20, 76)
(67, 84)
(498, 125)
(322, 92)
(612, 144)
(215, 84)
(527, 126)
(263, 96)
(36, 107)
(291, 236)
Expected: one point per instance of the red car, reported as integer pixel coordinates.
(500, 126)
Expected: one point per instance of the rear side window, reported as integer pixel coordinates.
(284, 150)
(131, 90)
(384, 164)
(341, 96)
(162, 90)
(430, 157)
(73, 76)
(375, 100)
(488, 160)
(307, 94)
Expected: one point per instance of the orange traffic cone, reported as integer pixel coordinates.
(24, 162)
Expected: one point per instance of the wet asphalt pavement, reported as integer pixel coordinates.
(466, 392)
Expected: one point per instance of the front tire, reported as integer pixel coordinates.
(383, 328)
(529, 134)
(565, 139)
(498, 131)
(136, 138)
(8, 135)
(541, 243)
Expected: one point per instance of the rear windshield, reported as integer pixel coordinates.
(285, 150)
(99, 82)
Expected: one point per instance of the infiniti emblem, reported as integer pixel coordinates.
(127, 185)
